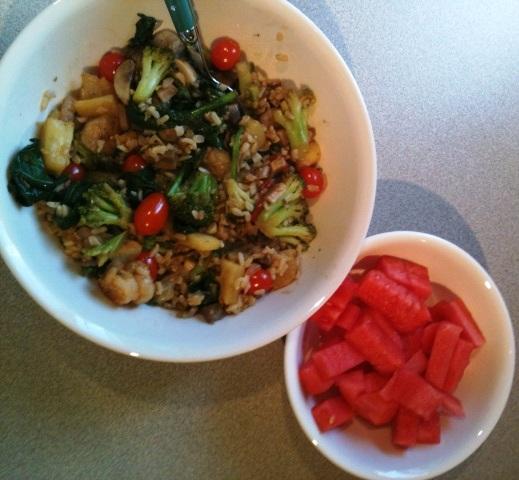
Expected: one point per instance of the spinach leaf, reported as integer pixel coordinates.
(28, 181)
(205, 282)
(144, 29)
(139, 185)
(72, 196)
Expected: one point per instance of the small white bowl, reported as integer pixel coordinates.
(484, 390)
(51, 53)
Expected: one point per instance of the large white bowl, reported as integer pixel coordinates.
(484, 389)
(50, 55)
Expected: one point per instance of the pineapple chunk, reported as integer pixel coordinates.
(231, 272)
(202, 242)
(56, 140)
(95, 107)
(92, 86)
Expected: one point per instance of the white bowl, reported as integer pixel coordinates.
(50, 55)
(484, 390)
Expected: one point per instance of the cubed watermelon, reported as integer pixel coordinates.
(452, 406)
(411, 391)
(312, 381)
(459, 362)
(335, 359)
(351, 384)
(349, 317)
(456, 312)
(373, 408)
(326, 317)
(417, 363)
(412, 342)
(332, 412)
(405, 428)
(429, 430)
(386, 327)
(401, 306)
(429, 332)
(374, 381)
(445, 342)
(409, 274)
(372, 343)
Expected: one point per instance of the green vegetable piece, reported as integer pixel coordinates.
(249, 88)
(156, 62)
(104, 206)
(284, 218)
(295, 121)
(28, 180)
(105, 250)
(144, 29)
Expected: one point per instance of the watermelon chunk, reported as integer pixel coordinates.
(412, 392)
(332, 413)
(312, 381)
(456, 312)
(459, 362)
(349, 317)
(413, 342)
(429, 430)
(452, 406)
(405, 428)
(409, 274)
(351, 384)
(373, 408)
(401, 306)
(370, 341)
(335, 359)
(429, 332)
(417, 363)
(374, 381)
(445, 342)
(386, 327)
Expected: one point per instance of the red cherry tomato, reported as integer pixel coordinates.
(151, 215)
(109, 64)
(133, 163)
(151, 262)
(75, 172)
(314, 181)
(225, 53)
(260, 280)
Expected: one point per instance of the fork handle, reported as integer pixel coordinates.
(183, 15)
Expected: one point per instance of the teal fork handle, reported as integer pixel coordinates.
(183, 15)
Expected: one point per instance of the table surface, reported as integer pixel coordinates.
(440, 80)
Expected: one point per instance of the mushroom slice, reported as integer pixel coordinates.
(168, 39)
(123, 79)
(187, 71)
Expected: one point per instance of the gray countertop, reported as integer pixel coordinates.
(440, 80)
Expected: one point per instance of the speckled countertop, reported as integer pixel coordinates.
(440, 80)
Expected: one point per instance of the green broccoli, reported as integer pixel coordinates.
(104, 251)
(284, 217)
(193, 197)
(237, 198)
(295, 123)
(104, 206)
(249, 87)
(156, 63)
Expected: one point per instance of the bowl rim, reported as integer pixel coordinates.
(25, 277)
(295, 337)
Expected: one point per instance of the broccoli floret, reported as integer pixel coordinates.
(237, 198)
(249, 87)
(104, 251)
(295, 121)
(193, 201)
(104, 206)
(155, 65)
(284, 217)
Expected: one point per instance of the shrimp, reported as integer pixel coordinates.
(131, 283)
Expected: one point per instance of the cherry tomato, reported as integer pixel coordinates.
(260, 280)
(151, 215)
(225, 53)
(151, 262)
(109, 64)
(133, 163)
(314, 181)
(75, 172)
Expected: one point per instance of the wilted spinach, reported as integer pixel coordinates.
(144, 29)
(139, 185)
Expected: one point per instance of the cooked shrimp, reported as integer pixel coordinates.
(131, 283)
